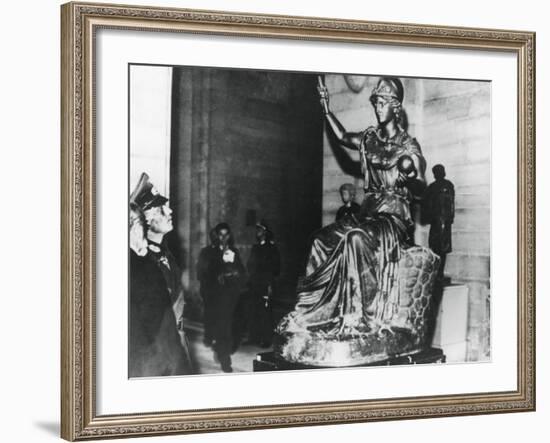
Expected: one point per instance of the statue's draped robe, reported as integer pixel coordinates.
(350, 282)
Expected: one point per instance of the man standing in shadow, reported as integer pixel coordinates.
(264, 266)
(227, 273)
(207, 257)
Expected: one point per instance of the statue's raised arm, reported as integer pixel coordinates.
(350, 140)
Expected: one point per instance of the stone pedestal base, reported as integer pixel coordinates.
(270, 361)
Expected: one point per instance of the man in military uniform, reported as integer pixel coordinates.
(264, 266)
(157, 346)
(350, 207)
(439, 204)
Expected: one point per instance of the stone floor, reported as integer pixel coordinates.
(204, 357)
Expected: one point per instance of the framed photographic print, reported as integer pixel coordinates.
(279, 221)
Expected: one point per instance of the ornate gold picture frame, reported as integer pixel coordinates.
(80, 23)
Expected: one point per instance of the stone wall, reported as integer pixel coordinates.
(246, 142)
(451, 121)
(457, 133)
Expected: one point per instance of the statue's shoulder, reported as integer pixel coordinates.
(369, 134)
(369, 138)
(410, 144)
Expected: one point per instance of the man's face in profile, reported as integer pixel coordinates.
(159, 219)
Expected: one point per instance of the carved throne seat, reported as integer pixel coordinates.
(404, 332)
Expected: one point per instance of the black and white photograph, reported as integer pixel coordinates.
(293, 220)
(276, 221)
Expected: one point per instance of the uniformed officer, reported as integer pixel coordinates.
(264, 266)
(157, 346)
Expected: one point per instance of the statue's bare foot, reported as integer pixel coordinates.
(388, 329)
(363, 328)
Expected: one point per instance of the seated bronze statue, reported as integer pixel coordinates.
(366, 288)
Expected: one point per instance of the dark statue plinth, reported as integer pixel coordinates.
(366, 341)
(270, 361)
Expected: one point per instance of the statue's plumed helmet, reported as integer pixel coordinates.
(388, 88)
(145, 196)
